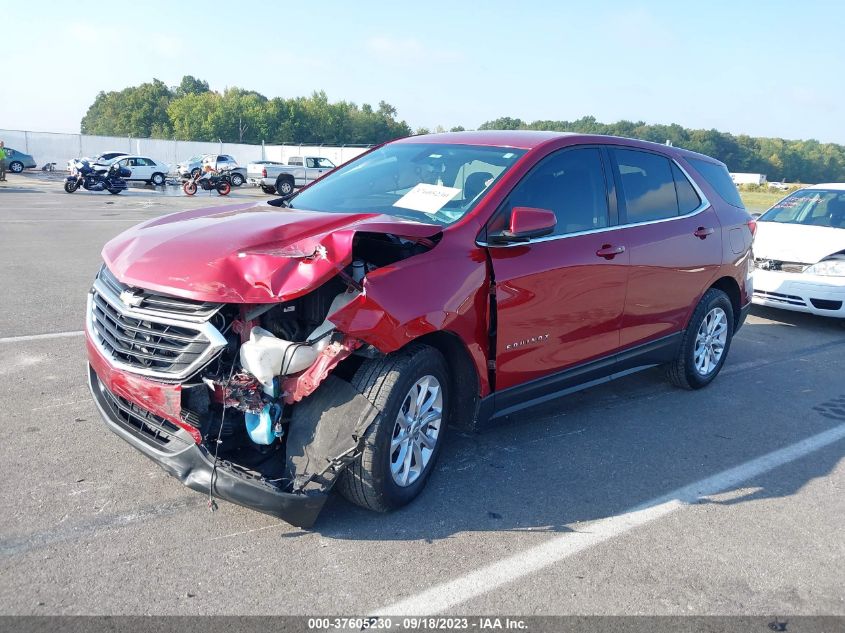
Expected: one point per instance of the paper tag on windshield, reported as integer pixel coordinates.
(427, 198)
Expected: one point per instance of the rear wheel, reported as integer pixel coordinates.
(224, 188)
(16, 167)
(114, 190)
(410, 388)
(268, 190)
(284, 186)
(705, 343)
(190, 188)
(157, 180)
(237, 180)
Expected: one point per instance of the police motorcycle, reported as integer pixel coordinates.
(110, 178)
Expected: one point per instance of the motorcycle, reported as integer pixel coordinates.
(90, 179)
(221, 183)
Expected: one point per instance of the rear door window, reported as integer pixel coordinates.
(688, 200)
(647, 186)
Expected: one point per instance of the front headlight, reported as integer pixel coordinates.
(828, 268)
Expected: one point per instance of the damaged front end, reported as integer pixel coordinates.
(249, 401)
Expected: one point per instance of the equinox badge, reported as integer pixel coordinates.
(542, 338)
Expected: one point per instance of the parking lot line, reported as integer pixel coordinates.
(485, 579)
(40, 337)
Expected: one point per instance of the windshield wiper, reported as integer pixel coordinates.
(283, 202)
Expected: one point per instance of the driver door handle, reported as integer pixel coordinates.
(702, 232)
(609, 251)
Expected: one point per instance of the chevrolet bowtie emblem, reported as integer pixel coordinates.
(132, 298)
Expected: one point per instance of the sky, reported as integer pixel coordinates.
(760, 68)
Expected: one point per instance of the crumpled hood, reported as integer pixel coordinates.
(797, 242)
(246, 253)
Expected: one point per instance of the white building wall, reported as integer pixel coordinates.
(58, 148)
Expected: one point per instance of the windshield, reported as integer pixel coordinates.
(812, 207)
(426, 182)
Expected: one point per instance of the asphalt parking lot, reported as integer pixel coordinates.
(633, 497)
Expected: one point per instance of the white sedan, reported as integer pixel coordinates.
(145, 169)
(799, 252)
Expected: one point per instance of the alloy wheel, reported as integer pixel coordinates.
(416, 431)
(710, 341)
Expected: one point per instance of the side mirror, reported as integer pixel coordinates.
(527, 223)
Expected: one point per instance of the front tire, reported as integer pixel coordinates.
(190, 188)
(71, 187)
(16, 167)
(411, 389)
(237, 180)
(705, 343)
(115, 191)
(157, 180)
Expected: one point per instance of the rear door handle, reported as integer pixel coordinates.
(609, 252)
(702, 232)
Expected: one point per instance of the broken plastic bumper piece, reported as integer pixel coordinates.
(174, 449)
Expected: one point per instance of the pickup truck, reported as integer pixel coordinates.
(219, 162)
(283, 179)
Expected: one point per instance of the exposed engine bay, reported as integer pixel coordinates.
(276, 404)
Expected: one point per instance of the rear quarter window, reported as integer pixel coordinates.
(717, 176)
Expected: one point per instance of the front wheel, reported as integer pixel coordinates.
(237, 180)
(705, 342)
(70, 187)
(190, 188)
(268, 190)
(411, 389)
(114, 190)
(157, 180)
(16, 167)
(224, 188)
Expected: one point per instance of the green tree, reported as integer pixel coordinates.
(779, 159)
(190, 85)
(137, 111)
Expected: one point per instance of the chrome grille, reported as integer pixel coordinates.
(141, 339)
(777, 265)
(158, 303)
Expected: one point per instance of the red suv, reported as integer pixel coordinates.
(265, 351)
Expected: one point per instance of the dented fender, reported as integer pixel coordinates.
(421, 295)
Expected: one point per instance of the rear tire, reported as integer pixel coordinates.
(224, 188)
(284, 186)
(375, 479)
(705, 343)
(16, 167)
(114, 191)
(268, 190)
(157, 180)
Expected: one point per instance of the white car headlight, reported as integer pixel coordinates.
(828, 268)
